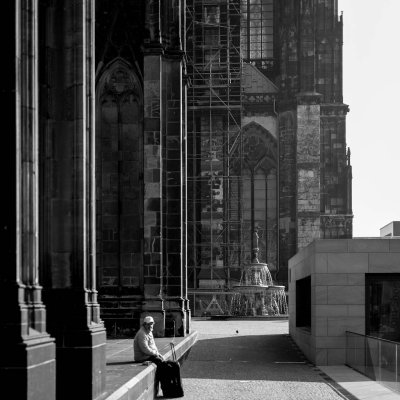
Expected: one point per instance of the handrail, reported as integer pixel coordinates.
(374, 357)
(373, 337)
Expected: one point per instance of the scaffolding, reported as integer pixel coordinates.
(214, 143)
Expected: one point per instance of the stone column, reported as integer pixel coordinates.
(152, 274)
(173, 176)
(287, 189)
(308, 168)
(184, 216)
(27, 362)
(173, 200)
(68, 201)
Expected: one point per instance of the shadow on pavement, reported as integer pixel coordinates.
(248, 357)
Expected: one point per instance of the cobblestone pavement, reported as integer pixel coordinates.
(251, 359)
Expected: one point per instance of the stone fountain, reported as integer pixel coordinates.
(256, 294)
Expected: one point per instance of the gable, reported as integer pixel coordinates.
(254, 81)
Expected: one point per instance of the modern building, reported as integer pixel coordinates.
(344, 285)
(391, 229)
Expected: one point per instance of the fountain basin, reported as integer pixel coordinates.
(256, 294)
(256, 288)
(250, 289)
(256, 274)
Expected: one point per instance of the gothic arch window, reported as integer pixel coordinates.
(259, 195)
(119, 176)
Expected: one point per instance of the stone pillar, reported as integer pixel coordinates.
(185, 205)
(68, 201)
(27, 362)
(349, 188)
(164, 269)
(287, 190)
(173, 176)
(308, 168)
(153, 291)
(173, 199)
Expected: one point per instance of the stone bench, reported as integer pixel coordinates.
(128, 380)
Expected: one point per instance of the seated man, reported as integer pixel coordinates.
(144, 347)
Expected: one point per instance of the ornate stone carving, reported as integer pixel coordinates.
(310, 98)
(258, 98)
(119, 79)
(152, 22)
(337, 226)
(328, 110)
(259, 147)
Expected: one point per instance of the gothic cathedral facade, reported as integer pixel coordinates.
(146, 141)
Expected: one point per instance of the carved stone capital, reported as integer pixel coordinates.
(334, 110)
(311, 98)
(337, 226)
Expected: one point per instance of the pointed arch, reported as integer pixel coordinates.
(119, 178)
(260, 189)
(260, 148)
(119, 77)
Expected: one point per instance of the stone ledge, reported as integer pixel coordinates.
(127, 380)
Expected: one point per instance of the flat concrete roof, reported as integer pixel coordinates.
(391, 229)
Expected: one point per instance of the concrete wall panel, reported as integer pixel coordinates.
(346, 263)
(356, 279)
(346, 295)
(368, 246)
(320, 326)
(384, 263)
(338, 326)
(394, 246)
(330, 342)
(331, 246)
(330, 310)
(337, 269)
(321, 295)
(321, 263)
(330, 279)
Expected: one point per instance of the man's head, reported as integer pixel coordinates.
(148, 323)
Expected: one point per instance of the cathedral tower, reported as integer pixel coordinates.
(274, 158)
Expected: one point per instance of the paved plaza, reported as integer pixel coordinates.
(256, 359)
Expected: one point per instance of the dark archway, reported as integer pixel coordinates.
(119, 194)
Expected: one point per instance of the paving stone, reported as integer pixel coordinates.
(259, 361)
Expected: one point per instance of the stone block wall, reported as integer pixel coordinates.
(337, 268)
(308, 169)
(287, 191)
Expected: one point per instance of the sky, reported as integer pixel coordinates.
(371, 88)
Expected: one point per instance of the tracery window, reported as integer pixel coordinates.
(259, 195)
(119, 170)
(257, 31)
